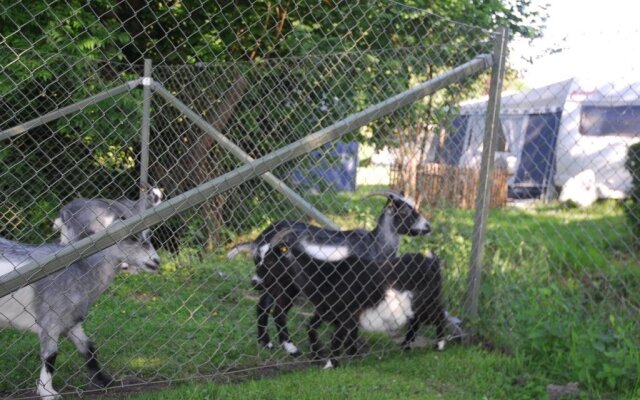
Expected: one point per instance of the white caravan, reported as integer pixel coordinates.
(553, 133)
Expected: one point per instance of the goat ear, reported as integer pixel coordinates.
(65, 215)
(144, 186)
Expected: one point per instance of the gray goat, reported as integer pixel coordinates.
(83, 217)
(56, 305)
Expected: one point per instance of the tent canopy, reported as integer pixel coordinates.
(541, 100)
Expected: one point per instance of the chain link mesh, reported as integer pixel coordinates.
(266, 75)
(560, 277)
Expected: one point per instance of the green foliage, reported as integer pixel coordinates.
(632, 165)
(564, 296)
(307, 64)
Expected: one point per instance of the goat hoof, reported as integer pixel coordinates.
(296, 353)
(46, 391)
(291, 348)
(330, 364)
(266, 345)
(102, 379)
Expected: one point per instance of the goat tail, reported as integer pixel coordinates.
(246, 247)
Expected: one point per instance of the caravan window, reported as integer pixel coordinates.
(610, 120)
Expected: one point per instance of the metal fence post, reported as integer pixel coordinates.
(41, 267)
(146, 122)
(483, 198)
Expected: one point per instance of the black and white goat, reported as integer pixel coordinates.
(83, 217)
(56, 305)
(352, 292)
(399, 217)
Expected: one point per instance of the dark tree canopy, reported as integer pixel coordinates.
(296, 65)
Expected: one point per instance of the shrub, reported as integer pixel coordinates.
(633, 204)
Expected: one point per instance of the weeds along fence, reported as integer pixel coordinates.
(242, 116)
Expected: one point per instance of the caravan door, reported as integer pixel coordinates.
(536, 167)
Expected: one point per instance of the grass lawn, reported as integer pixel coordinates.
(457, 373)
(559, 303)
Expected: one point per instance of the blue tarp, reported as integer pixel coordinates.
(454, 143)
(333, 166)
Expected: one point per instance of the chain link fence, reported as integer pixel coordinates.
(256, 78)
(560, 272)
(197, 318)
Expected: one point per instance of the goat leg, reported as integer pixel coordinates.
(98, 376)
(281, 308)
(262, 310)
(314, 340)
(352, 342)
(341, 335)
(48, 353)
(440, 321)
(414, 325)
(84, 346)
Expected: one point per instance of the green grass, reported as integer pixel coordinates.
(458, 373)
(560, 300)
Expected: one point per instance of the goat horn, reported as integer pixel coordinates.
(280, 236)
(246, 247)
(384, 193)
(392, 195)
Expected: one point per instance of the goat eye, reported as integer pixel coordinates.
(284, 249)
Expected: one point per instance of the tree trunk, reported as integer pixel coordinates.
(204, 159)
(203, 163)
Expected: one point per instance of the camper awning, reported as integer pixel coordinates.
(547, 99)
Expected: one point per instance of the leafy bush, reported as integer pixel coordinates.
(561, 291)
(633, 205)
